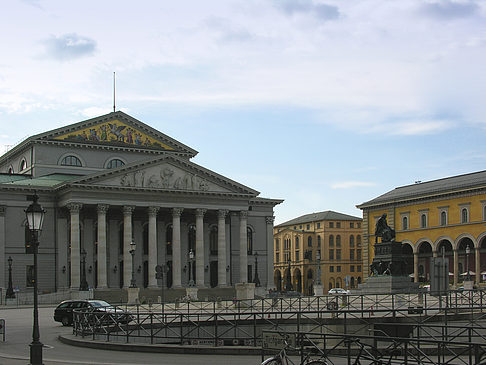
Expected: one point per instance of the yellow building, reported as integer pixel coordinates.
(444, 218)
(329, 240)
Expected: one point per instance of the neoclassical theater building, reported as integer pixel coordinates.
(439, 218)
(111, 180)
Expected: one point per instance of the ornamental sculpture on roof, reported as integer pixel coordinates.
(166, 179)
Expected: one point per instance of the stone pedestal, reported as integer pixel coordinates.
(133, 296)
(245, 291)
(191, 293)
(387, 284)
(318, 290)
(469, 285)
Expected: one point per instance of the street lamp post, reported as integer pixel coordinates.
(191, 274)
(84, 284)
(257, 279)
(133, 246)
(318, 257)
(468, 251)
(288, 284)
(10, 291)
(35, 217)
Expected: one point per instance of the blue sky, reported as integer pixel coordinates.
(325, 104)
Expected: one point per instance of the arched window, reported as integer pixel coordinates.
(114, 163)
(309, 241)
(443, 218)
(351, 241)
(213, 240)
(277, 245)
(319, 241)
(71, 161)
(338, 241)
(423, 221)
(331, 241)
(249, 246)
(10, 170)
(168, 240)
(23, 165)
(405, 223)
(464, 215)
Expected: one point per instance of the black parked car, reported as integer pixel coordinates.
(102, 310)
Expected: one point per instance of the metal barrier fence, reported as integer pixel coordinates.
(243, 322)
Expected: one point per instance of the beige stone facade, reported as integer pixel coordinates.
(328, 242)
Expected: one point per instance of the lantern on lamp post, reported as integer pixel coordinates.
(35, 218)
(191, 273)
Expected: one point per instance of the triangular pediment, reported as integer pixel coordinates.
(166, 173)
(116, 129)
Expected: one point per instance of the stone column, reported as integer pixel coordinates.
(222, 247)
(74, 209)
(269, 221)
(152, 246)
(200, 247)
(176, 248)
(416, 267)
(456, 267)
(127, 239)
(434, 253)
(102, 271)
(243, 246)
(477, 265)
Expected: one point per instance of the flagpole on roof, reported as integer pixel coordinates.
(114, 91)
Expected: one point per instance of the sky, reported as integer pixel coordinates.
(323, 103)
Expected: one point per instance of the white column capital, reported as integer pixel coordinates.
(74, 207)
(152, 211)
(222, 213)
(270, 220)
(128, 209)
(176, 212)
(243, 214)
(102, 208)
(200, 212)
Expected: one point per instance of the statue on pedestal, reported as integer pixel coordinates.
(383, 230)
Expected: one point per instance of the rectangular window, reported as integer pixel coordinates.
(308, 227)
(351, 225)
(331, 254)
(331, 268)
(359, 225)
(30, 276)
(338, 254)
(331, 224)
(297, 255)
(338, 224)
(277, 258)
(351, 268)
(358, 254)
(338, 268)
(318, 225)
(358, 268)
(351, 255)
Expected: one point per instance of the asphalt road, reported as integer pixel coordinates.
(15, 349)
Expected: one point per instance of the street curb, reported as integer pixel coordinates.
(161, 348)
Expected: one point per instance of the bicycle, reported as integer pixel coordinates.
(282, 358)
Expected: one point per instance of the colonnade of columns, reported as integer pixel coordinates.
(102, 277)
(477, 273)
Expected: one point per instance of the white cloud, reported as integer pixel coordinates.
(351, 184)
(69, 46)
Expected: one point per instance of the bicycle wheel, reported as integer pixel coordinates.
(272, 361)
